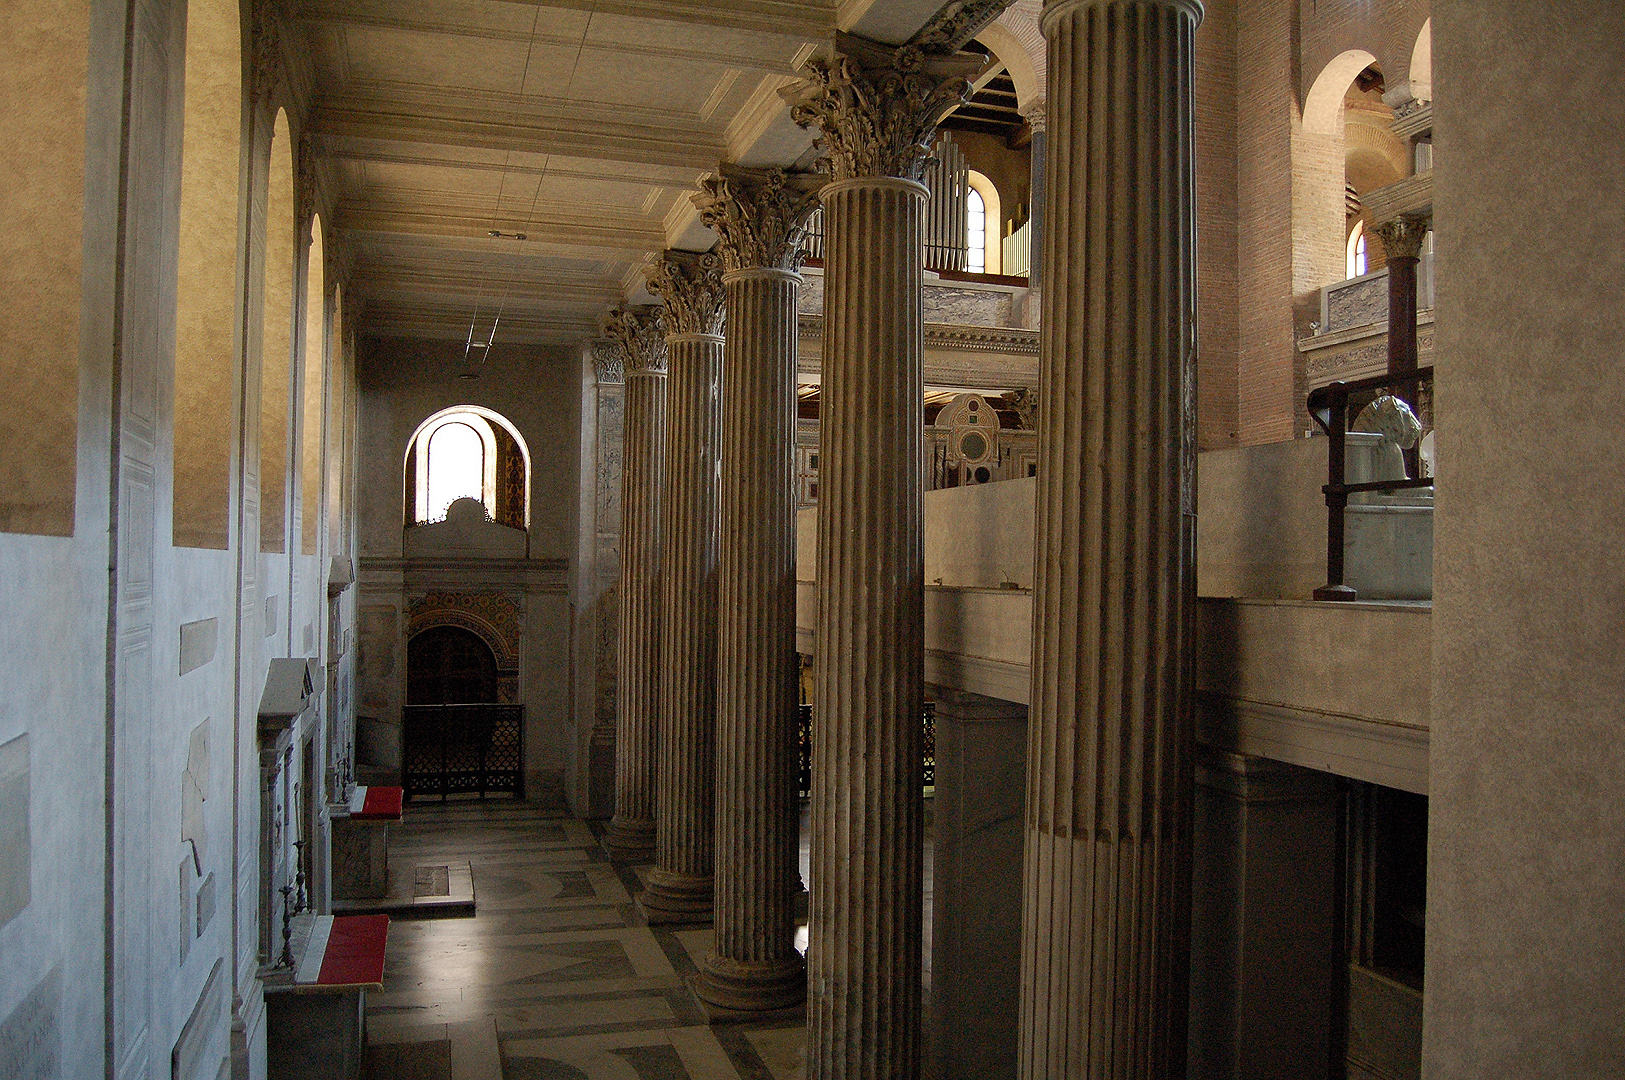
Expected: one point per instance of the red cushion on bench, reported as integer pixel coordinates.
(382, 802)
(355, 951)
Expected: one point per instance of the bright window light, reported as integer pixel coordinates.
(455, 467)
(1356, 253)
(975, 233)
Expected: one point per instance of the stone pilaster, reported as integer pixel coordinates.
(631, 831)
(1106, 915)
(754, 965)
(679, 886)
(877, 110)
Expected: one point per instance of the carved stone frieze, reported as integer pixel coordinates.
(760, 214)
(955, 23)
(1000, 339)
(305, 184)
(608, 362)
(1402, 238)
(878, 107)
(265, 52)
(638, 331)
(691, 285)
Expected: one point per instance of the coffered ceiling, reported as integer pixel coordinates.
(581, 125)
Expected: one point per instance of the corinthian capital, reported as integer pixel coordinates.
(1402, 238)
(691, 285)
(760, 214)
(637, 330)
(608, 362)
(878, 107)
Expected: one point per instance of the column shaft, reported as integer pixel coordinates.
(679, 885)
(865, 944)
(755, 964)
(632, 830)
(1106, 900)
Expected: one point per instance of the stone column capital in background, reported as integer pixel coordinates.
(690, 284)
(759, 214)
(640, 334)
(1402, 238)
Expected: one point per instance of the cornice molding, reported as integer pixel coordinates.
(759, 214)
(593, 235)
(955, 23)
(484, 120)
(399, 19)
(878, 107)
(1000, 339)
(690, 284)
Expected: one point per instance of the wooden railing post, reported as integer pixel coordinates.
(1337, 499)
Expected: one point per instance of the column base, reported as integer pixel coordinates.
(630, 840)
(669, 898)
(733, 990)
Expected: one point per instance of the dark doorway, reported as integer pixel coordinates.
(447, 665)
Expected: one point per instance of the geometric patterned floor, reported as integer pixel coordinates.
(550, 980)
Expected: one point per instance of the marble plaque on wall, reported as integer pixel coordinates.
(31, 1038)
(16, 857)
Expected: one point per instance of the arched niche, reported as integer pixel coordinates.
(312, 386)
(276, 341)
(42, 271)
(1422, 63)
(207, 274)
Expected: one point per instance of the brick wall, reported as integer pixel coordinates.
(1267, 107)
(1216, 308)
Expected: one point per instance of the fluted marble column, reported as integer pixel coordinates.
(679, 885)
(1106, 908)
(631, 832)
(877, 109)
(754, 965)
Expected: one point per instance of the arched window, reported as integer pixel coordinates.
(468, 452)
(1356, 251)
(453, 467)
(982, 217)
(975, 233)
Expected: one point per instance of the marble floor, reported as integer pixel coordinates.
(551, 979)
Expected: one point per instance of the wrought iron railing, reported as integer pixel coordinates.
(1329, 405)
(462, 749)
(928, 756)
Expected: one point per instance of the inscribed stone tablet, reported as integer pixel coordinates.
(16, 862)
(30, 1040)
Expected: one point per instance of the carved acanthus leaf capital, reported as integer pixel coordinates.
(878, 107)
(1037, 116)
(691, 285)
(760, 215)
(608, 362)
(1402, 238)
(641, 337)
